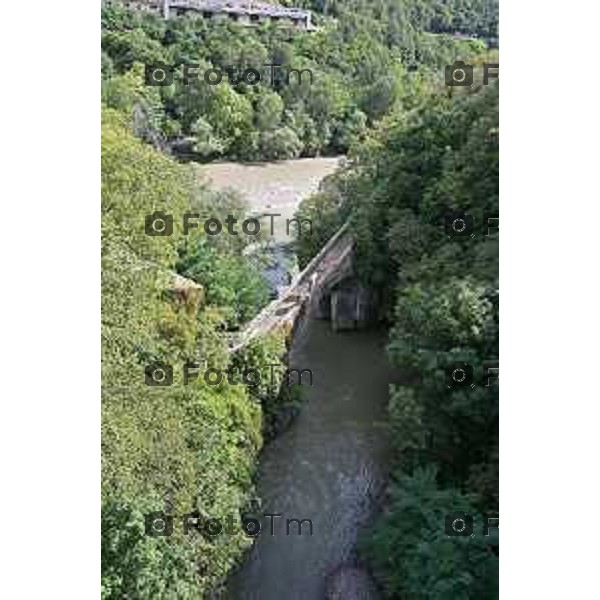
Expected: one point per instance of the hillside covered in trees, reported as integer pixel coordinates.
(367, 60)
(182, 447)
(401, 18)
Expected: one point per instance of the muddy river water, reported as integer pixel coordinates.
(276, 187)
(329, 465)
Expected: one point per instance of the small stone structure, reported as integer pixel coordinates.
(186, 292)
(326, 289)
(351, 306)
(245, 12)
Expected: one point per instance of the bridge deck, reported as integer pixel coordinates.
(285, 308)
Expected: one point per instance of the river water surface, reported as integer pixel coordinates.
(330, 465)
(275, 187)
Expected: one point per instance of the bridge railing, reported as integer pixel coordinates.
(314, 263)
(268, 318)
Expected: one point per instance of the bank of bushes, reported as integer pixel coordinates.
(178, 448)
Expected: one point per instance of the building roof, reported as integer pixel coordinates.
(247, 7)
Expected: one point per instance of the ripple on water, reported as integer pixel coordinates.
(328, 467)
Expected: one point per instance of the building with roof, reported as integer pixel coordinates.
(245, 12)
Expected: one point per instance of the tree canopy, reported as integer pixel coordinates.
(362, 60)
(183, 447)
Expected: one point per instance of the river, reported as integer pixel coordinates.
(278, 187)
(330, 464)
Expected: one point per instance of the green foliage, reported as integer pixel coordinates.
(348, 130)
(138, 566)
(439, 317)
(268, 111)
(238, 291)
(206, 142)
(414, 155)
(176, 448)
(325, 212)
(280, 402)
(280, 144)
(401, 19)
(360, 74)
(413, 556)
(406, 421)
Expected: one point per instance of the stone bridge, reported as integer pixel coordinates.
(325, 289)
(245, 12)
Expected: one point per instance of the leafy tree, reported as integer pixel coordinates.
(323, 211)
(238, 291)
(128, 47)
(193, 446)
(348, 130)
(280, 144)
(268, 110)
(206, 143)
(414, 557)
(182, 447)
(374, 60)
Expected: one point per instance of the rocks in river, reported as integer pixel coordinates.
(350, 582)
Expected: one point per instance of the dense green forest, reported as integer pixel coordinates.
(417, 151)
(178, 448)
(400, 18)
(440, 297)
(367, 60)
